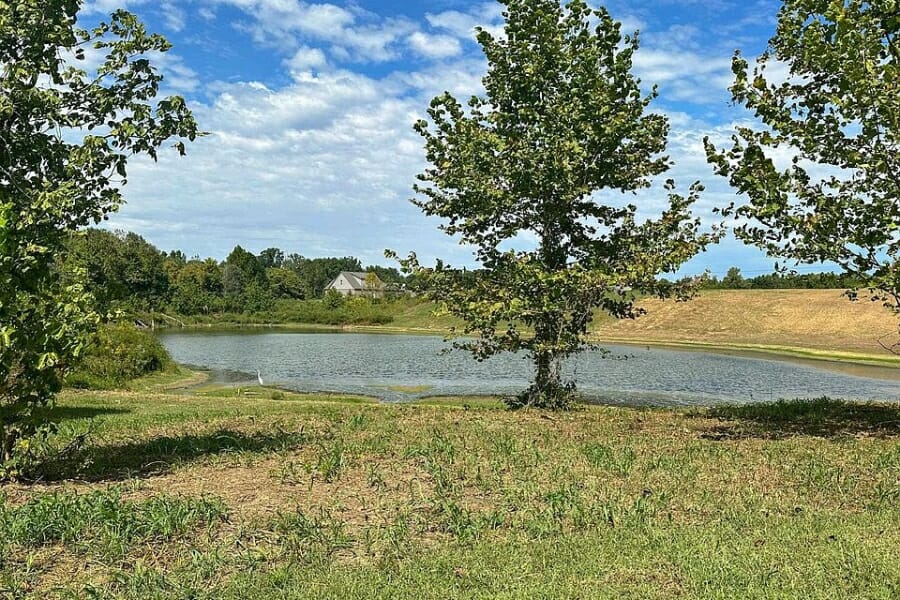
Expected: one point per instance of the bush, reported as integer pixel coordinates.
(351, 311)
(116, 355)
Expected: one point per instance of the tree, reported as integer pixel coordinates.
(838, 116)
(198, 288)
(733, 280)
(271, 258)
(388, 275)
(285, 283)
(562, 118)
(373, 284)
(246, 283)
(120, 270)
(317, 273)
(65, 138)
(250, 267)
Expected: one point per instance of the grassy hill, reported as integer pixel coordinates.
(823, 321)
(816, 319)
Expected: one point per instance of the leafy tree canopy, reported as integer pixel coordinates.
(837, 116)
(562, 119)
(65, 139)
(118, 269)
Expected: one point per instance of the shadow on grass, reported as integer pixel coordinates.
(822, 417)
(159, 455)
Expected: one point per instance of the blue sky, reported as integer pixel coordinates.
(310, 108)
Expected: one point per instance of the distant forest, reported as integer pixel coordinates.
(124, 271)
(734, 280)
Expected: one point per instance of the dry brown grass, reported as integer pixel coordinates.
(817, 319)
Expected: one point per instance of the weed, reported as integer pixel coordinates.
(330, 461)
(615, 461)
(505, 444)
(103, 522)
(374, 478)
(310, 539)
(358, 422)
(456, 520)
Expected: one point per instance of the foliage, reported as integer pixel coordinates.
(781, 281)
(334, 309)
(733, 280)
(317, 273)
(838, 116)
(198, 288)
(66, 138)
(387, 275)
(119, 269)
(285, 283)
(333, 299)
(562, 119)
(122, 271)
(118, 354)
(271, 258)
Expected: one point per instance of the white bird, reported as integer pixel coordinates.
(259, 377)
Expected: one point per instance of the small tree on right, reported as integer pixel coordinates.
(836, 118)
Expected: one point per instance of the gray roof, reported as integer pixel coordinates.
(356, 280)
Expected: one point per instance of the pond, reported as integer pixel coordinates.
(404, 367)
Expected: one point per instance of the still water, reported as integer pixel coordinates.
(401, 367)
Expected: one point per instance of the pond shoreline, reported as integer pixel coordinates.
(403, 367)
(886, 367)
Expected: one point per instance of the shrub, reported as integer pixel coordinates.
(117, 354)
(351, 311)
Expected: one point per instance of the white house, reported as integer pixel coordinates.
(349, 283)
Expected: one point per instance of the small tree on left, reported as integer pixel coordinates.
(67, 131)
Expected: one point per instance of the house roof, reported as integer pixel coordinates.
(356, 280)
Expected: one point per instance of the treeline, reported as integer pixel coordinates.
(734, 280)
(124, 271)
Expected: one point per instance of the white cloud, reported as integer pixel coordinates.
(352, 33)
(206, 13)
(306, 59)
(434, 46)
(174, 16)
(684, 75)
(177, 76)
(106, 7)
(324, 163)
(462, 24)
(323, 166)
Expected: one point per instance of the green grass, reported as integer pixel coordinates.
(219, 495)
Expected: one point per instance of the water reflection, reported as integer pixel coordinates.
(399, 367)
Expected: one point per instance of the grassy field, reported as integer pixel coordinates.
(823, 320)
(257, 493)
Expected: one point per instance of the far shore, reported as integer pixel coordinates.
(886, 367)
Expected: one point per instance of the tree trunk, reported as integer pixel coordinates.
(547, 390)
(8, 439)
(547, 376)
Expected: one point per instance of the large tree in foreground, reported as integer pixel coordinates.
(65, 137)
(836, 120)
(562, 119)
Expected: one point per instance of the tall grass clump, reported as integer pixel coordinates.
(102, 522)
